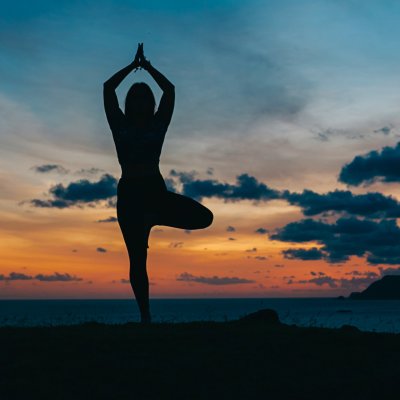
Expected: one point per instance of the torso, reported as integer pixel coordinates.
(139, 150)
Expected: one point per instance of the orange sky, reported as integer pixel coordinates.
(65, 241)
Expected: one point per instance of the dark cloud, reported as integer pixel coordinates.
(212, 280)
(385, 130)
(362, 280)
(18, 276)
(175, 245)
(261, 231)
(89, 171)
(373, 205)
(303, 254)
(246, 188)
(306, 230)
(320, 281)
(389, 271)
(101, 250)
(170, 184)
(231, 238)
(260, 258)
(230, 228)
(50, 168)
(374, 166)
(109, 219)
(57, 277)
(379, 241)
(252, 250)
(79, 193)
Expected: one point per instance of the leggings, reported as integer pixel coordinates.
(141, 204)
(144, 202)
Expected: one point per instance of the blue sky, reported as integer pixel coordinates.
(253, 72)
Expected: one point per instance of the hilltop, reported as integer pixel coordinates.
(387, 288)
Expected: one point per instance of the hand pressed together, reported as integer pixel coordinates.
(140, 60)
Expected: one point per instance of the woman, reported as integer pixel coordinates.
(143, 199)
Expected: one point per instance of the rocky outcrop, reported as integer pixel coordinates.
(387, 288)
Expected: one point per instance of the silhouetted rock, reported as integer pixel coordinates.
(387, 288)
(349, 328)
(266, 315)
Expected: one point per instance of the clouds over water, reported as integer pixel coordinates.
(212, 280)
(56, 277)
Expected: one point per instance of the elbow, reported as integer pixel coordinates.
(170, 88)
(108, 86)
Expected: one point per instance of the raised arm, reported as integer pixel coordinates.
(167, 102)
(115, 116)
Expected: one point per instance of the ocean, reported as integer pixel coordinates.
(367, 315)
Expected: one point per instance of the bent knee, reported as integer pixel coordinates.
(208, 217)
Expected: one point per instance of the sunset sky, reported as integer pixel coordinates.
(286, 126)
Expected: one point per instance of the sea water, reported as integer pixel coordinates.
(367, 315)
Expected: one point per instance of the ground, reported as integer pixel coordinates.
(229, 360)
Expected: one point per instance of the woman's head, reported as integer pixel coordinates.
(140, 103)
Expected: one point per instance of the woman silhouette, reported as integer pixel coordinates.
(142, 196)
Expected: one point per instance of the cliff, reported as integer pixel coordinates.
(387, 288)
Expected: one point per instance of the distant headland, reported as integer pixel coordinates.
(387, 288)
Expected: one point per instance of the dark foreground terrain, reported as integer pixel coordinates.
(253, 359)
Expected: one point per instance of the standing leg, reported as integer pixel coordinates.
(136, 238)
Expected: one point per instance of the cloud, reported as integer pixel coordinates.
(252, 250)
(175, 245)
(170, 184)
(57, 277)
(230, 228)
(50, 168)
(18, 276)
(212, 280)
(79, 193)
(379, 241)
(109, 219)
(362, 280)
(261, 231)
(374, 166)
(389, 271)
(246, 188)
(101, 250)
(89, 171)
(303, 254)
(320, 281)
(385, 130)
(373, 205)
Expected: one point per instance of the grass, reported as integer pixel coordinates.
(225, 360)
